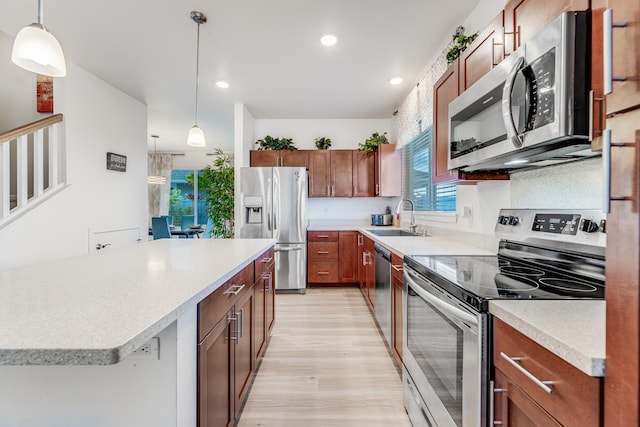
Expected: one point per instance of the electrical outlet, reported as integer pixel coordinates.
(148, 351)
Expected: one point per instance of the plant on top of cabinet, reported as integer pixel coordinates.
(271, 143)
(373, 141)
(323, 143)
(460, 44)
(217, 182)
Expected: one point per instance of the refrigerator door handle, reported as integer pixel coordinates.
(288, 249)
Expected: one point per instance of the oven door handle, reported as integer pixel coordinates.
(442, 305)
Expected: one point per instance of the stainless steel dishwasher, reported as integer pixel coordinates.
(383, 290)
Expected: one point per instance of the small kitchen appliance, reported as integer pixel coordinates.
(543, 254)
(381, 219)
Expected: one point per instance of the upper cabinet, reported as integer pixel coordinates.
(486, 51)
(331, 173)
(363, 174)
(388, 172)
(269, 158)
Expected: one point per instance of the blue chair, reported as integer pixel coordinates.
(160, 227)
(169, 218)
(207, 230)
(187, 221)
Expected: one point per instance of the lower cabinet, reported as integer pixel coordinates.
(369, 270)
(332, 257)
(521, 397)
(396, 307)
(234, 323)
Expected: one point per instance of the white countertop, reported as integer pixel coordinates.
(96, 309)
(424, 245)
(573, 330)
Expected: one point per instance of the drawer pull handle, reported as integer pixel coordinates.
(323, 273)
(396, 267)
(323, 252)
(513, 361)
(267, 260)
(238, 288)
(323, 236)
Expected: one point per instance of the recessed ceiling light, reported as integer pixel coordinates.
(516, 162)
(222, 84)
(328, 40)
(395, 80)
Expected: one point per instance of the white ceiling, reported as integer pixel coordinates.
(268, 50)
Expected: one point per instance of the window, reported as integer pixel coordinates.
(417, 179)
(183, 200)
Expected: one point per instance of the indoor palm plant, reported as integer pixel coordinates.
(217, 182)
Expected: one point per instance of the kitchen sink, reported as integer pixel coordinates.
(388, 233)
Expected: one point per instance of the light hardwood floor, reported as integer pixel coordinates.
(326, 365)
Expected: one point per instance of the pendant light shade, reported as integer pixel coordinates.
(196, 135)
(37, 50)
(156, 179)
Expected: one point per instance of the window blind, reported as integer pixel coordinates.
(417, 181)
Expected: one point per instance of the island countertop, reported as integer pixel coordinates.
(96, 309)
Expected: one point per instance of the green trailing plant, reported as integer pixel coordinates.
(217, 182)
(323, 143)
(459, 45)
(371, 143)
(271, 143)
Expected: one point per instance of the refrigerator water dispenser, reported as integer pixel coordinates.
(253, 206)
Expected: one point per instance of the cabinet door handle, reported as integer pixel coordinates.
(234, 319)
(606, 167)
(240, 324)
(360, 239)
(323, 273)
(238, 288)
(492, 407)
(513, 361)
(269, 286)
(607, 50)
(267, 260)
(397, 267)
(323, 252)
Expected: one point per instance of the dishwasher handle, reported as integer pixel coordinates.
(382, 251)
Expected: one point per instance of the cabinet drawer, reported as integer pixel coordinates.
(575, 397)
(396, 267)
(323, 272)
(263, 263)
(322, 236)
(322, 251)
(213, 307)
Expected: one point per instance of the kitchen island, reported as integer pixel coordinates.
(68, 330)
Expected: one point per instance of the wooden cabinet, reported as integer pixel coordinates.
(523, 19)
(361, 264)
(368, 260)
(332, 257)
(388, 174)
(573, 398)
(268, 158)
(331, 173)
(264, 291)
(396, 307)
(444, 91)
(483, 54)
(364, 174)
(244, 360)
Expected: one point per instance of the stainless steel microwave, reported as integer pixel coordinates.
(532, 109)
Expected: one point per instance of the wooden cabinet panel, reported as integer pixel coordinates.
(323, 272)
(259, 317)
(482, 55)
(444, 91)
(215, 374)
(244, 356)
(369, 271)
(361, 264)
(348, 246)
(388, 171)
(322, 236)
(576, 397)
(396, 316)
(320, 173)
(270, 298)
(264, 158)
(523, 19)
(515, 409)
(363, 173)
(341, 173)
(322, 251)
(626, 45)
(292, 158)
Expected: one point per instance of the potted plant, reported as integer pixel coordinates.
(371, 143)
(323, 143)
(459, 45)
(217, 182)
(271, 143)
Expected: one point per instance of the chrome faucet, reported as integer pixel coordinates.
(412, 224)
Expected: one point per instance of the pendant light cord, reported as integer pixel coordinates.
(40, 13)
(197, 70)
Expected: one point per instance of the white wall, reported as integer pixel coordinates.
(98, 118)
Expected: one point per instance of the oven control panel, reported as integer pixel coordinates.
(586, 227)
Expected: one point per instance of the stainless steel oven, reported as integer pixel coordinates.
(543, 254)
(445, 340)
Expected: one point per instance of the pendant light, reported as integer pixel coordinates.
(37, 50)
(156, 179)
(196, 135)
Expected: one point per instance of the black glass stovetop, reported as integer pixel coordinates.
(478, 279)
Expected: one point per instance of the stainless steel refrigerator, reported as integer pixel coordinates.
(273, 204)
